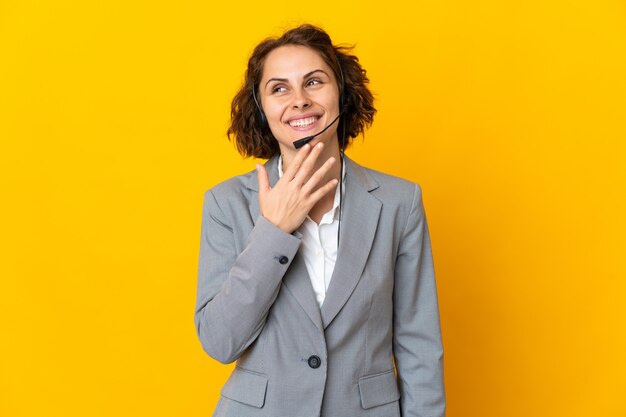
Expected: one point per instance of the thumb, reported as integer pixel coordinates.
(264, 181)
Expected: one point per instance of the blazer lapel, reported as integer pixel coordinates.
(359, 221)
(296, 279)
(253, 184)
(298, 282)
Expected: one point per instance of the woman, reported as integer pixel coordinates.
(316, 290)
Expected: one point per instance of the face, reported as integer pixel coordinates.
(299, 95)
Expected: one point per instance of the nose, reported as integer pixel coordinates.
(301, 99)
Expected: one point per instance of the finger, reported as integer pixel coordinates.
(264, 181)
(294, 165)
(318, 175)
(309, 163)
(322, 191)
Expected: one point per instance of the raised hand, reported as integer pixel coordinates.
(297, 191)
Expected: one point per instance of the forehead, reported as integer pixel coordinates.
(293, 61)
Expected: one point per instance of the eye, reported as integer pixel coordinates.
(279, 88)
(313, 81)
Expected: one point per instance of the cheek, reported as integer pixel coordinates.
(274, 122)
(274, 114)
(273, 111)
(275, 129)
(332, 102)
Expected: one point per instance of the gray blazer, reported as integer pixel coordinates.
(256, 305)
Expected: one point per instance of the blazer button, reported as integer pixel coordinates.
(283, 260)
(314, 361)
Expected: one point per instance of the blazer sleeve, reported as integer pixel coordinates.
(236, 290)
(417, 345)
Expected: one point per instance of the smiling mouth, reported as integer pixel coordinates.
(303, 122)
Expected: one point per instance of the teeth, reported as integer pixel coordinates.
(302, 122)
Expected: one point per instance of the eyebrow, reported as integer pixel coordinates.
(308, 74)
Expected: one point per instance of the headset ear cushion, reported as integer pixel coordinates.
(262, 117)
(346, 100)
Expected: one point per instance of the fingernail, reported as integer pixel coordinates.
(319, 145)
(258, 167)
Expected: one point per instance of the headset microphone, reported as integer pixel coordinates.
(301, 142)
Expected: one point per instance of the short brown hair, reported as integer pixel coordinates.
(252, 137)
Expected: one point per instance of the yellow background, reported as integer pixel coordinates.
(511, 115)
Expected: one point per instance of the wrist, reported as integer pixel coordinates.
(280, 225)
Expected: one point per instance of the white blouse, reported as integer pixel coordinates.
(319, 244)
